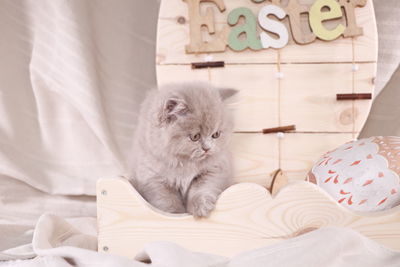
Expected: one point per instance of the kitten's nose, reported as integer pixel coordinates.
(206, 149)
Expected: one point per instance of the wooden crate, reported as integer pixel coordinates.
(246, 217)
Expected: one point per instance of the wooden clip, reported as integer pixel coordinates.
(353, 96)
(279, 129)
(208, 64)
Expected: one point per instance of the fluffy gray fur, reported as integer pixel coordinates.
(173, 170)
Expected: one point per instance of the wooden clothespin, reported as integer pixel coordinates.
(208, 64)
(353, 96)
(279, 129)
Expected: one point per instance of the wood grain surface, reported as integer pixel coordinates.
(246, 217)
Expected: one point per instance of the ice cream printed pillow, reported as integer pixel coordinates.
(362, 175)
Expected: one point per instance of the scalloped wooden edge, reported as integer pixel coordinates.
(246, 217)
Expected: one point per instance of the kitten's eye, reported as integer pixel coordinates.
(195, 137)
(216, 134)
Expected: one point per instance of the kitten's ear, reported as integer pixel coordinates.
(226, 93)
(172, 109)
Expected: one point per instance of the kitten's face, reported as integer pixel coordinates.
(197, 138)
(195, 122)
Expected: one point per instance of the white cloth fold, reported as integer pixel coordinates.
(73, 242)
(72, 76)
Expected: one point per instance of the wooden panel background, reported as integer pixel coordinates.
(306, 96)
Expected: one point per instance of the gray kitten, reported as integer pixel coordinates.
(181, 156)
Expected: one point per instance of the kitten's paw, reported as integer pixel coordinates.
(175, 208)
(180, 209)
(201, 206)
(170, 206)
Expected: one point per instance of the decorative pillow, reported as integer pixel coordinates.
(362, 175)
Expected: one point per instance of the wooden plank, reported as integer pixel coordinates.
(256, 105)
(307, 101)
(300, 151)
(246, 217)
(173, 35)
(364, 83)
(255, 158)
(308, 96)
(366, 45)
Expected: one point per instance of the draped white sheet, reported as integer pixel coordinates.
(388, 21)
(72, 75)
(59, 242)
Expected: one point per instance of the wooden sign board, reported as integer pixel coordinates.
(295, 85)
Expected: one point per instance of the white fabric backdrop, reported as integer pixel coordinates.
(72, 74)
(388, 22)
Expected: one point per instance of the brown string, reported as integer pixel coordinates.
(353, 88)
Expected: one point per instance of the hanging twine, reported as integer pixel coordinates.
(353, 81)
(279, 77)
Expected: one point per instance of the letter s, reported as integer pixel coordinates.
(273, 26)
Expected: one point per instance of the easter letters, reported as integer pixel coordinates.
(239, 36)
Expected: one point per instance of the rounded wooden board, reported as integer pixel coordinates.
(306, 95)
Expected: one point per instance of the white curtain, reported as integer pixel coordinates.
(72, 75)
